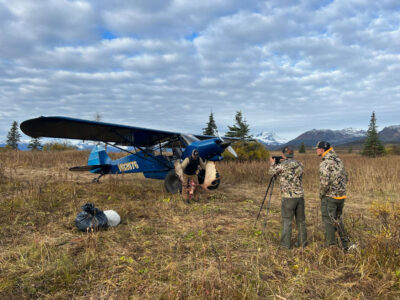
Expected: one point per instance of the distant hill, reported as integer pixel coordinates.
(79, 144)
(21, 146)
(335, 137)
(390, 134)
(348, 137)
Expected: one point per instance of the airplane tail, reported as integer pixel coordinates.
(99, 162)
(99, 156)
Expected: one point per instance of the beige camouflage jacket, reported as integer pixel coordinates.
(290, 175)
(333, 176)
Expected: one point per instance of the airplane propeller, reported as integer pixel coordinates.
(227, 145)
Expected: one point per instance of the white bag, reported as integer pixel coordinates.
(113, 217)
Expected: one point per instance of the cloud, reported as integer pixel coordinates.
(169, 64)
(167, 19)
(33, 26)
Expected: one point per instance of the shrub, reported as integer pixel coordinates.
(393, 150)
(248, 151)
(58, 147)
(302, 148)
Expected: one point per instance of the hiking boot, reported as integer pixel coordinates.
(297, 244)
(350, 248)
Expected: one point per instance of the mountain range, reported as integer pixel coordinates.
(347, 136)
(80, 145)
(390, 134)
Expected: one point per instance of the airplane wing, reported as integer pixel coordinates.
(225, 138)
(70, 128)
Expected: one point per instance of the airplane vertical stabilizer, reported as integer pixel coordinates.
(98, 156)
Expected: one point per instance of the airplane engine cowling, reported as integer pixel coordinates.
(172, 183)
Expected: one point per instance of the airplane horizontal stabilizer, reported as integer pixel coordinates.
(90, 168)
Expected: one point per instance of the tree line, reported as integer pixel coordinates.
(373, 147)
(14, 138)
(240, 129)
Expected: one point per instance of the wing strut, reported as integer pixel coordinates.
(140, 148)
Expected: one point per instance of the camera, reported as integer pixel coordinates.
(277, 159)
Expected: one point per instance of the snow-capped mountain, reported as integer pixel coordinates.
(269, 138)
(390, 134)
(353, 132)
(79, 144)
(335, 137)
(22, 145)
(86, 145)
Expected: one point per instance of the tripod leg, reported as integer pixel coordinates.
(268, 206)
(265, 197)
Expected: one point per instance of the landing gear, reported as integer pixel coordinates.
(97, 179)
(172, 183)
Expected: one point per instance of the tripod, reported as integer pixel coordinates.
(269, 190)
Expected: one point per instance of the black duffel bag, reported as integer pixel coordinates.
(91, 218)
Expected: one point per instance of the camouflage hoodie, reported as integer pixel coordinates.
(333, 176)
(290, 175)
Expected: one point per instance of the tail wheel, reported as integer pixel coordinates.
(172, 183)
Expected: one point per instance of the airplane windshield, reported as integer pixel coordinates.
(189, 138)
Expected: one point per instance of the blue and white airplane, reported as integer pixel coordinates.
(153, 148)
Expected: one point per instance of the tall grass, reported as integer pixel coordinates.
(366, 175)
(166, 249)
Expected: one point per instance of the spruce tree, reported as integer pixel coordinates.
(302, 148)
(373, 146)
(211, 128)
(350, 150)
(13, 136)
(35, 144)
(240, 129)
(98, 117)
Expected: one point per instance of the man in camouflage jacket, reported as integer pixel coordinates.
(333, 180)
(290, 175)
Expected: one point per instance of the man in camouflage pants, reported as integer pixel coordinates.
(333, 180)
(290, 174)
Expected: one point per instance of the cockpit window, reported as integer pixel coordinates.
(189, 138)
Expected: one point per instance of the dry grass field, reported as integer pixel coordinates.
(166, 249)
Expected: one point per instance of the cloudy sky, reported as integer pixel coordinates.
(168, 64)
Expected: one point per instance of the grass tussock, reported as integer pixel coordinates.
(166, 249)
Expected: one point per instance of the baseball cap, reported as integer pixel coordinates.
(322, 145)
(288, 152)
